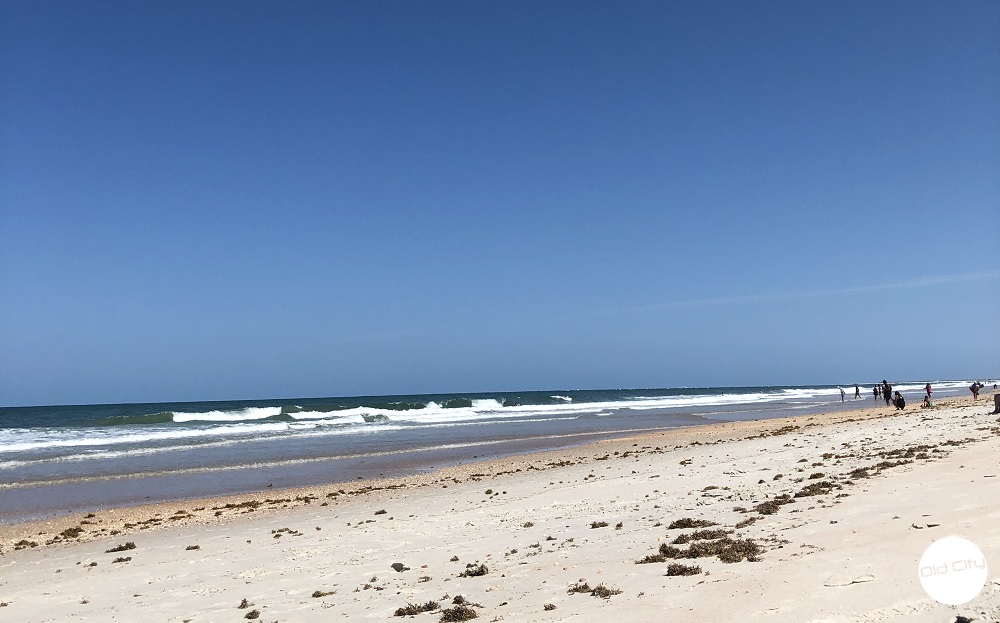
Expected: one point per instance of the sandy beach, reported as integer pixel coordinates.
(813, 518)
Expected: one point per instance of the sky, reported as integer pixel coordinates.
(239, 200)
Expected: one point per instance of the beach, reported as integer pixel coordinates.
(815, 517)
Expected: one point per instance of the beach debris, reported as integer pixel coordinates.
(380, 512)
(598, 524)
(579, 587)
(318, 594)
(817, 488)
(725, 549)
(688, 522)
(399, 567)
(412, 609)
(121, 548)
(120, 559)
(472, 571)
(679, 569)
(458, 613)
(701, 535)
(771, 507)
(192, 547)
(253, 614)
(604, 592)
(528, 524)
(847, 580)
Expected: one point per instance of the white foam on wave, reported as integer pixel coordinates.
(562, 398)
(486, 404)
(240, 415)
(88, 437)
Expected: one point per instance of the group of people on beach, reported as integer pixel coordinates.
(894, 398)
(884, 390)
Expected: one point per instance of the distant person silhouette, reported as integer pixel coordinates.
(857, 392)
(974, 388)
(899, 402)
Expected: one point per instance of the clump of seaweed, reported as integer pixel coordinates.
(771, 506)
(192, 547)
(121, 548)
(749, 521)
(579, 587)
(817, 488)
(244, 604)
(598, 524)
(651, 558)
(549, 607)
(473, 571)
(323, 593)
(725, 549)
(125, 559)
(688, 522)
(71, 533)
(604, 592)
(679, 569)
(700, 535)
(253, 614)
(458, 613)
(411, 609)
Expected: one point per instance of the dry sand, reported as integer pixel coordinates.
(869, 490)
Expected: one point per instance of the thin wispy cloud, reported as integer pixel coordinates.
(803, 294)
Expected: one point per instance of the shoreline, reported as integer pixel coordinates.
(716, 432)
(51, 499)
(834, 507)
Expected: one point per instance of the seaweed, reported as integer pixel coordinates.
(458, 613)
(679, 569)
(687, 522)
(411, 609)
(473, 571)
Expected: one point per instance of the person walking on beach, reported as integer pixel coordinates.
(842, 394)
(857, 392)
(886, 392)
(875, 391)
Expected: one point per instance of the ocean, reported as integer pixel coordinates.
(58, 459)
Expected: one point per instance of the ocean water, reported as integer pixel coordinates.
(63, 458)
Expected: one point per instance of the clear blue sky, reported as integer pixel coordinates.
(232, 200)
